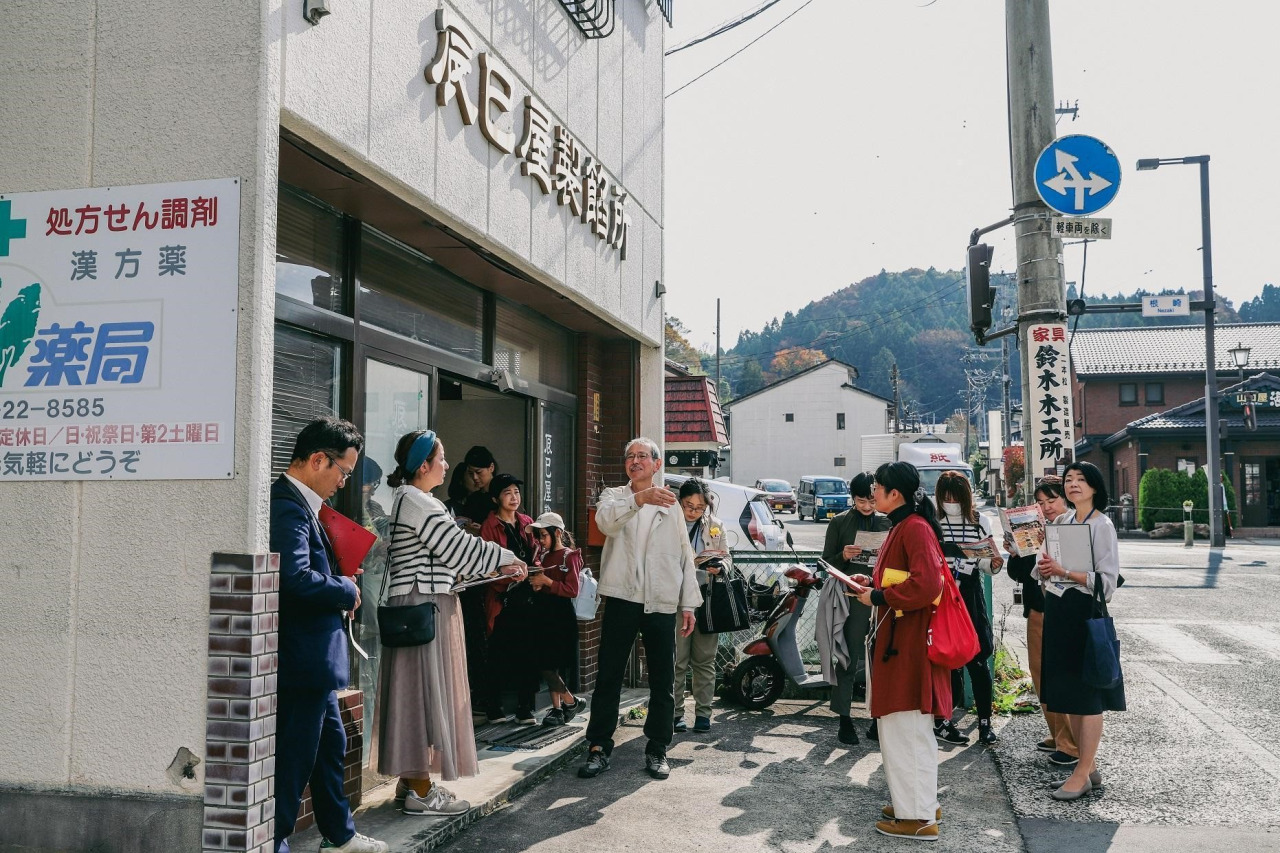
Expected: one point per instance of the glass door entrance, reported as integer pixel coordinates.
(397, 399)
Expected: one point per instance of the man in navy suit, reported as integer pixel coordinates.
(313, 663)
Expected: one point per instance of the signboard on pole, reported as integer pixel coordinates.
(1051, 439)
(118, 332)
(1081, 227)
(1077, 175)
(995, 439)
(1177, 305)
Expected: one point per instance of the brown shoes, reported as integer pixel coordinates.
(917, 830)
(887, 811)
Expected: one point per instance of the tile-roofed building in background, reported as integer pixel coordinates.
(1138, 396)
(695, 430)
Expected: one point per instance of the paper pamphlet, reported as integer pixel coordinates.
(1072, 546)
(1026, 525)
(845, 579)
(983, 549)
(869, 541)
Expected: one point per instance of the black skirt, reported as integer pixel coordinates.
(1062, 659)
(555, 634)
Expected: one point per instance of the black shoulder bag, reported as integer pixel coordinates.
(404, 625)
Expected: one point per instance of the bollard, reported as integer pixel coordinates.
(1188, 526)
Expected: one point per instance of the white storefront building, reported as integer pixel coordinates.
(430, 217)
(809, 423)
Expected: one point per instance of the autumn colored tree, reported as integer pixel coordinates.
(793, 360)
(1015, 469)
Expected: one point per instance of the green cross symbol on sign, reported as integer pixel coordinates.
(10, 228)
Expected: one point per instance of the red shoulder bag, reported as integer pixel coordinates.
(952, 640)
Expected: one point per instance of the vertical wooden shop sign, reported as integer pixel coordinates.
(1050, 442)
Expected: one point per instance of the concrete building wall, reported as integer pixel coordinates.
(765, 444)
(103, 624)
(354, 87)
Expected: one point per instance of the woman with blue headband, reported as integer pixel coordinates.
(424, 722)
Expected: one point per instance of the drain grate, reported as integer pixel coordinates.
(512, 736)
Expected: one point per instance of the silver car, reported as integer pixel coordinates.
(755, 527)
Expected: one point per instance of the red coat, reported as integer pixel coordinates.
(563, 568)
(493, 531)
(908, 680)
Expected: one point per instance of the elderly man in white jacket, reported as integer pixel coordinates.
(648, 579)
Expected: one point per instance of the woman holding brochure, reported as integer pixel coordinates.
(697, 652)
(1060, 744)
(1068, 604)
(962, 524)
(424, 705)
(907, 689)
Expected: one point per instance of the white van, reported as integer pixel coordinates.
(746, 514)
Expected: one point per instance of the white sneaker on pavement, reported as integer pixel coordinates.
(357, 844)
(437, 801)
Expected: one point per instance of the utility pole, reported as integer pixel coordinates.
(1031, 127)
(897, 409)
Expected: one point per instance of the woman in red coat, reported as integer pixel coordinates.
(907, 689)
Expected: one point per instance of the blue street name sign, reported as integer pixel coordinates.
(1077, 175)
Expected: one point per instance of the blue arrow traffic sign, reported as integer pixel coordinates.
(1077, 175)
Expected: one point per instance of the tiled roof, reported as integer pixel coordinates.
(693, 411)
(1172, 349)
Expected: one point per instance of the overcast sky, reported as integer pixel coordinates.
(863, 135)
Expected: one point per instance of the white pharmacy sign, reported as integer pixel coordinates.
(1083, 227)
(118, 332)
(1051, 439)
(1176, 305)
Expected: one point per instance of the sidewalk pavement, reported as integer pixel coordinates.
(504, 775)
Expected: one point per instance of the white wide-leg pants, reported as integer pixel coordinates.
(910, 753)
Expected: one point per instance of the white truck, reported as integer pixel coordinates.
(931, 454)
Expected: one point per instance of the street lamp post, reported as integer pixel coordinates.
(1217, 536)
(1240, 355)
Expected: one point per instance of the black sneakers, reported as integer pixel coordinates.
(679, 726)
(554, 717)
(656, 765)
(847, 734)
(873, 733)
(1061, 759)
(597, 763)
(985, 735)
(946, 732)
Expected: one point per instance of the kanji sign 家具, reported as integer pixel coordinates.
(118, 332)
(1051, 439)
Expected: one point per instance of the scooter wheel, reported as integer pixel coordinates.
(758, 682)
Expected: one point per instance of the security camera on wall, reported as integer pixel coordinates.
(314, 10)
(507, 381)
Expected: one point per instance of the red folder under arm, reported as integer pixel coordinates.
(350, 541)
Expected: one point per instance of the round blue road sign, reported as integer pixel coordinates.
(1077, 175)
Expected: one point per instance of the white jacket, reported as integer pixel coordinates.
(667, 581)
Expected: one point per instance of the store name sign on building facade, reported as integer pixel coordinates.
(1051, 441)
(118, 332)
(548, 153)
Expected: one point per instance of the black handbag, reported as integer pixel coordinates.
(1101, 668)
(404, 625)
(724, 604)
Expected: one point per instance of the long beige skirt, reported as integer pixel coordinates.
(424, 702)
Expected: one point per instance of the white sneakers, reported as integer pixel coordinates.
(438, 801)
(358, 844)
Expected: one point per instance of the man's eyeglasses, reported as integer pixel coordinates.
(637, 457)
(346, 472)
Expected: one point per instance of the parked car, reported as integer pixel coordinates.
(745, 511)
(780, 497)
(822, 498)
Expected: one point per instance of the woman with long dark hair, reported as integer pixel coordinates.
(424, 707)
(960, 522)
(907, 689)
(1068, 604)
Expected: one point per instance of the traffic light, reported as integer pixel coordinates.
(1250, 417)
(981, 294)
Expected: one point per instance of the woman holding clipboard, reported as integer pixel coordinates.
(907, 689)
(1068, 604)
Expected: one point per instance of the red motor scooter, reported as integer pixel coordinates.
(773, 658)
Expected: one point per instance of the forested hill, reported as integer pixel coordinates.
(916, 318)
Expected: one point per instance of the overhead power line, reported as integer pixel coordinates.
(722, 28)
(739, 50)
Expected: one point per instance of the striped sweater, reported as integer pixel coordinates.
(429, 551)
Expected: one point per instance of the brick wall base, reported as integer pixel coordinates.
(351, 703)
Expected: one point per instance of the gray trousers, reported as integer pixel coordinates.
(855, 635)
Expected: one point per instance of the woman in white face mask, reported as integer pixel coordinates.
(960, 522)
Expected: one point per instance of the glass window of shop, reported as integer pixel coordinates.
(367, 329)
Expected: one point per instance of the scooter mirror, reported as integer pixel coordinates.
(790, 542)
